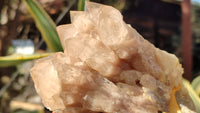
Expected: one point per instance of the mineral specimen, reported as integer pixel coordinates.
(106, 67)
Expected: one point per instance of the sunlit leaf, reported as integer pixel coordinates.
(196, 85)
(17, 59)
(45, 24)
(193, 95)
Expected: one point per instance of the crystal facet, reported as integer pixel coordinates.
(106, 67)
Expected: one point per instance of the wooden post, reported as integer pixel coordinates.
(186, 38)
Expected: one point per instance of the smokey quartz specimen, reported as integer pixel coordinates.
(106, 67)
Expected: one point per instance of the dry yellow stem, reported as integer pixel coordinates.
(173, 105)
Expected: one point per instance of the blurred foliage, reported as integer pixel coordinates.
(15, 23)
(48, 30)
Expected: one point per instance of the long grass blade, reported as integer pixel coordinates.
(13, 60)
(196, 85)
(192, 94)
(45, 24)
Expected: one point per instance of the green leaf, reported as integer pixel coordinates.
(196, 85)
(45, 24)
(192, 94)
(12, 60)
(81, 5)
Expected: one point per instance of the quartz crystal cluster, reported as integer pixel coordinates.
(106, 67)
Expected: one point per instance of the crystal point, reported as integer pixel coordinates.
(107, 67)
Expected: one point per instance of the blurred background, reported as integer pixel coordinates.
(171, 25)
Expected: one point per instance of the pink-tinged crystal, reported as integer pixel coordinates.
(106, 67)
